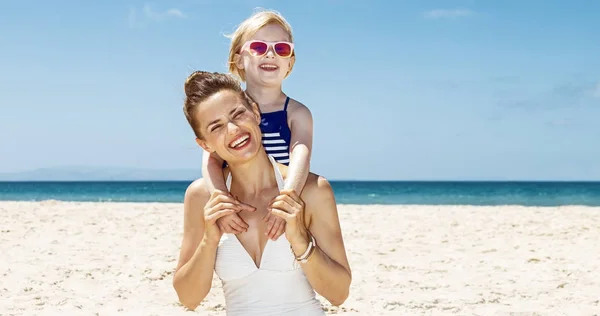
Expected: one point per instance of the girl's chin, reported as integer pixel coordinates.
(268, 78)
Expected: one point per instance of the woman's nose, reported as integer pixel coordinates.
(232, 128)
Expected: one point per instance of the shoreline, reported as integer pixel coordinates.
(536, 194)
(399, 205)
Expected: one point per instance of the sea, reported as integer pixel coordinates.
(346, 192)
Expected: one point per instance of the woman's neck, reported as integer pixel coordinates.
(253, 177)
(266, 96)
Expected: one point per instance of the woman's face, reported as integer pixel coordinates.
(228, 126)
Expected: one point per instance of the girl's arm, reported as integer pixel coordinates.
(212, 172)
(301, 127)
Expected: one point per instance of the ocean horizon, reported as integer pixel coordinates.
(525, 193)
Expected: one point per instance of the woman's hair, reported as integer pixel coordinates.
(247, 29)
(201, 85)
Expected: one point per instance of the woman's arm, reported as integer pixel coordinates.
(193, 276)
(327, 268)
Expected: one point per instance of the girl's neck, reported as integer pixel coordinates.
(266, 97)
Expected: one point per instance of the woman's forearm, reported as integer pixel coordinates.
(193, 280)
(329, 278)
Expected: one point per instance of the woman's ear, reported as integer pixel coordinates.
(204, 145)
(256, 112)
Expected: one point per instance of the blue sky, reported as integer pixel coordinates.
(398, 90)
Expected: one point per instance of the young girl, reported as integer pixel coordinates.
(262, 55)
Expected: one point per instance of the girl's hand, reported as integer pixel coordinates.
(233, 223)
(275, 225)
(289, 207)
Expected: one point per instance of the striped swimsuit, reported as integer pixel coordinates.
(276, 134)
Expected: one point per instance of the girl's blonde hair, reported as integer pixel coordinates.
(249, 27)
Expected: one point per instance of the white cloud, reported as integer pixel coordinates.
(449, 14)
(162, 15)
(147, 13)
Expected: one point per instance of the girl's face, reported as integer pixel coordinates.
(266, 57)
(229, 126)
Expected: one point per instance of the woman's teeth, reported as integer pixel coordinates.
(238, 142)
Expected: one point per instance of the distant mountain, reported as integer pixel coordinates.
(102, 174)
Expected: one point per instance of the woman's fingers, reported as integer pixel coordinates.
(293, 195)
(283, 199)
(279, 213)
(217, 198)
(244, 206)
(221, 197)
(285, 206)
(222, 206)
(214, 216)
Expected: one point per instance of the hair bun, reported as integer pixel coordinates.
(191, 83)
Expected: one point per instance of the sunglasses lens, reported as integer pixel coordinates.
(283, 49)
(258, 48)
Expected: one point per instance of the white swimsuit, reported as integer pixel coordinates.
(277, 287)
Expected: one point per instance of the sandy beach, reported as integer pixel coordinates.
(68, 258)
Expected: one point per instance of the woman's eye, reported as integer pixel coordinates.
(238, 114)
(215, 127)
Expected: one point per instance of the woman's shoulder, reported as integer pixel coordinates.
(317, 188)
(319, 199)
(197, 191)
(316, 185)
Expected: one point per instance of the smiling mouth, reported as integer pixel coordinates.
(240, 141)
(268, 67)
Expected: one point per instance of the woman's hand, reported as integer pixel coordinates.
(220, 204)
(289, 207)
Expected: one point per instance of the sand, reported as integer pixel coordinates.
(72, 258)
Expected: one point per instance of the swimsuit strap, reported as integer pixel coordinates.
(287, 100)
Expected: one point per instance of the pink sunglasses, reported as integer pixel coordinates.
(260, 48)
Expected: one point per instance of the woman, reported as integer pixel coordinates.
(259, 276)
